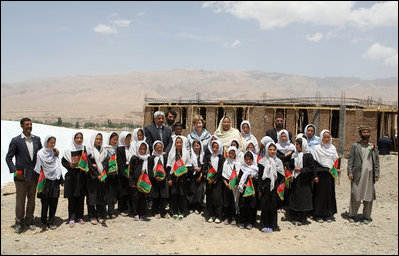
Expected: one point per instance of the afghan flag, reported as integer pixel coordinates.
(249, 189)
(179, 168)
(41, 182)
(19, 174)
(280, 190)
(371, 148)
(144, 184)
(287, 175)
(112, 165)
(103, 175)
(259, 158)
(83, 163)
(233, 181)
(160, 170)
(210, 174)
(127, 172)
(225, 154)
(335, 168)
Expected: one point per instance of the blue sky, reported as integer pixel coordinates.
(321, 39)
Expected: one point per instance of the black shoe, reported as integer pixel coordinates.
(44, 227)
(18, 228)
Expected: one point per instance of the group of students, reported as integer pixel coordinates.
(237, 176)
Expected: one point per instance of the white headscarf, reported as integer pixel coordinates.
(122, 143)
(325, 154)
(172, 155)
(266, 140)
(226, 136)
(157, 156)
(298, 156)
(194, 156)
(110, 150)
(215, 157)
(306, 130)
(248, 170)
(143, 157)
(230, 164)
(247, 144)
(50, 163)
(278, 162)
(239, 145)
(98, 155)
(270, 170)
(74, 147)
(284, 147)
(135, 140)
(249, 136)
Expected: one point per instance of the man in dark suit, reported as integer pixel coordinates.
(279, 125)
(24, 147)
(158, 131)
(385, 144)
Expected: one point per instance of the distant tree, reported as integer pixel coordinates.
(59, 121)
(77, 124)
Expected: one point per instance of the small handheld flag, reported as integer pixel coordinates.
(160, 170)
(249, 189)
(280, 190)
(41, 182)
(335, 168)
(112, 164)
(19, 174)
(144, 184)
(179, 168)
(103, 175)
(83, 163)
(233, 181)
(211, 174)
(371, 148)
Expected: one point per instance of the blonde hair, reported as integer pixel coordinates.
(198, 118)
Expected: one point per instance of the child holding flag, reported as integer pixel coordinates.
(267, 187)
(178, 164)
(247, 202)
(160, 190)
(196, 190)
(212, 171)
(123, 157)
(75, 179)
(48, 188)
(231, 167)
(95, 181)
(139, 181)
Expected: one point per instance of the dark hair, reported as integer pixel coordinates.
(77, 134)
(23, 120)
(113, 135)
(52, 137)
(279, 115)
(172, 112)
(196, 142)
(299, 141)
(178, 124)
(249, 154)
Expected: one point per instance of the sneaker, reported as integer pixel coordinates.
(101, 221)
(197, 212)
(72, 224)
(319, 220)
(329, 219)
(158, 216)
(124, 214)
(217, 221)
(175, 216)
(32, 227)
(93, 222)
(81, 221)
(18, 228)
(265, 230)
(166, 216)
(366, 221)
(53, 227)
(249, 226)
(226, 222)
(136, 218)
(233, 222)
(142, 218)
(242, 226)
(211, 219)
(191, 211)
(113, 216)
(351, 220)
(180, 217)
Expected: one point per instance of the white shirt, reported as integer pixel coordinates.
(29, 144)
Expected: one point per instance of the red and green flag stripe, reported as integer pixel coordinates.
(249, 189)
(41, 182)
(103, 175)
(179, 168)
(211, 174)
(160, 170)
(19, 174)
(83, 163)
(335, 168)
(144, 184)
(112, 164)
(233, 181)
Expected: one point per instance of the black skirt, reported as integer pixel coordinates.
(159, 189)
(51, 189)
(96, 191)
(300, 196)
(324, 202)
(111, 189)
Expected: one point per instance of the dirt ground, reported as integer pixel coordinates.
(195, 236)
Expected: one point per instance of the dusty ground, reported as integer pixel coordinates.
(195, 236)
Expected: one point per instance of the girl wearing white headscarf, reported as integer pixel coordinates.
(208, 150)
(249, 145)
(139, 164)
(263, 143)
(123, 157)
(75, 187)
(314, 140)
(137, 136)
(214, 188)
(195, 182)
(230, 196)
(303, 170)
(284, 147)
(324, 202)
(248, 136)
(50, 164)
(110, 146)
(225, 133)
(160, 189)
(248, 204)
(96, 189)
(178, 190)
(269, 167)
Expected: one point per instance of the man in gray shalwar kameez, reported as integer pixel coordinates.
(363, 171)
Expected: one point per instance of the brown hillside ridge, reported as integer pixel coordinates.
(120, 97)
(193, 235)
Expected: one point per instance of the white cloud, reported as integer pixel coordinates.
(315, 38)
(104, 29)
(378, 52)
(273, 14)
(121, 23)
(233, 45)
